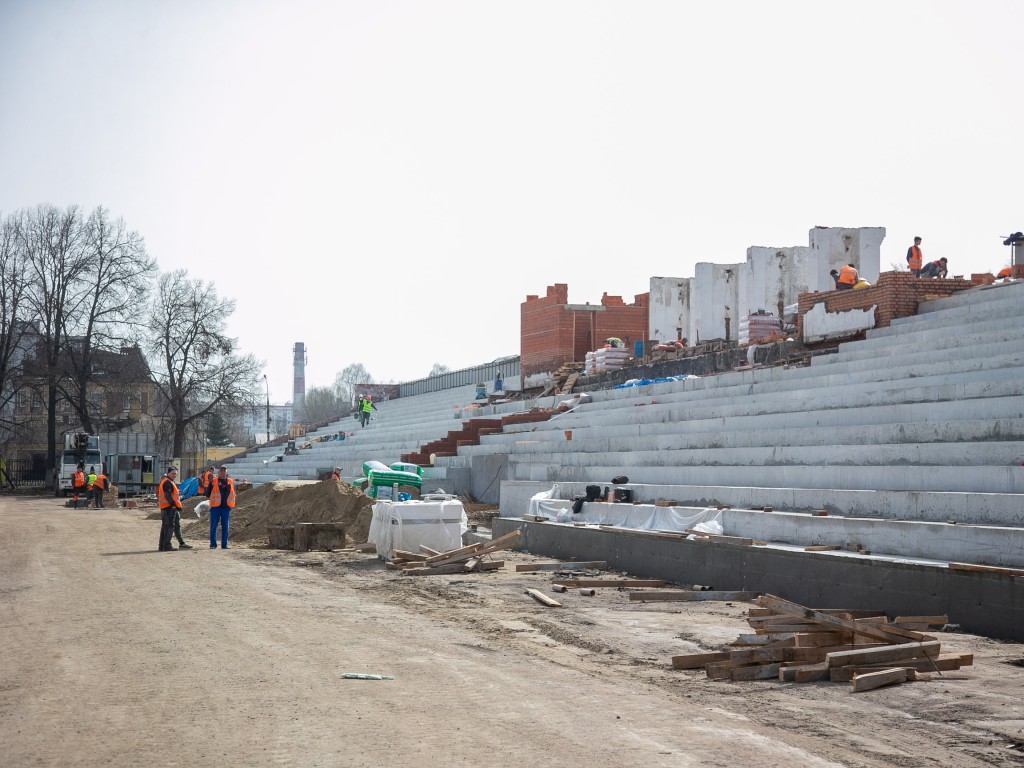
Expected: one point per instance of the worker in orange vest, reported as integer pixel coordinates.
(205, 479)
(934, 268)
(222, 501)
(98, 487)
(78, 484)
(847, 278)
(169, 502)
(1004, 273)
(915, 258)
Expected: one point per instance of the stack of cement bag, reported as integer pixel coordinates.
(607, 359)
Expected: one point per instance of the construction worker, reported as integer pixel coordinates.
(847, 278)
(364, 410)
(336, 474)
(934, 268)
(99, 485)
(90, 486)
(1004, 273)
(915, 258)
(205, 479)
(169, 502)
(78, 484)
(222, 501)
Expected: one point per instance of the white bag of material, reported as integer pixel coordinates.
(711, 527)
(202, 508)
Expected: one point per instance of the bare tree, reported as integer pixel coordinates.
(51, 242)
(115, 282)
(322, 404)
(13, 325)
(345, 383)
(438, 369)
(195, 366)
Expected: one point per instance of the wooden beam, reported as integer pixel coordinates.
(756, 672)
(946, 662)
(771, 601)
(871, 680)
(543, 599)
(721, 539)
(610, 582)
(697, 660)
(986, 569)
(571, 566)
(482, 548)
(884, 654)
(822, 548)
(684, 596)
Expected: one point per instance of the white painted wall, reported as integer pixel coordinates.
(669, 314)
(769, 275)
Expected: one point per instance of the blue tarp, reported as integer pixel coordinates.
(189, 488)
(645, 382)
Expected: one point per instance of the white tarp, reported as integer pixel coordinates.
(640, 517)
(406, 525)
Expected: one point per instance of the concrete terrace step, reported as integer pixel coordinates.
(910, 456)
(937, 342)
(979, 508)
(642, 437)
(948, 478)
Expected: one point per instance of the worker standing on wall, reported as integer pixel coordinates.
(847, 278)
(915, 259)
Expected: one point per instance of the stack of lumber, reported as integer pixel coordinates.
(797, 644)
(469, 559)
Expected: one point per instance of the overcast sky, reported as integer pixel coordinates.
(388, 181)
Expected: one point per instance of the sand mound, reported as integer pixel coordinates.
(291, 501)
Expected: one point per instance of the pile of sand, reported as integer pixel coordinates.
(283, 502)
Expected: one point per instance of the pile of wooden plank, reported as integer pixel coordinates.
(797, 644)
(469, 559)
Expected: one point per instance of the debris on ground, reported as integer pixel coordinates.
(801, 645)
(463, 560)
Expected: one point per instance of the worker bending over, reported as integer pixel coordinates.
(934, 268)
(847, 278)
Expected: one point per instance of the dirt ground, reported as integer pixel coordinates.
(115, 654)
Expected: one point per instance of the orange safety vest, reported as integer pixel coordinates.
(101, 482)
(215, 494)
(78, 479)
(847, 275)
(1004, 272)
(165, 498)
(204, 481)
(914, 257)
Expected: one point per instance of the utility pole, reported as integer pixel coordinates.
(268, 405)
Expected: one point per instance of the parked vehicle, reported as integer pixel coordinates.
(79, 448)
(134, 474)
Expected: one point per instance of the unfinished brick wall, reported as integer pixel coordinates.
(553, 332)
(896, 294)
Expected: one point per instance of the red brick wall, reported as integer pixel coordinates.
(896, 294)
(552, 333)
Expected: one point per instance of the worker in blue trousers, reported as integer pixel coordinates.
(222, 500)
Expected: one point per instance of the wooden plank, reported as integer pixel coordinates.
(683, 596)
(472, 564)
(367, 547)
(822, 548)
(811, 673)
(762, 639)
(697, 660)
(543, 599)
(722, 670)
(883, 654)
(570, 566)
(928, 620)
(871, 680)
(502, 542)
(610, 582)
(428, 551)
(986, 569)
(455, 554)
(772, 601)
(401, 554)
(756, 672)
(946, 662)
(435, 570)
